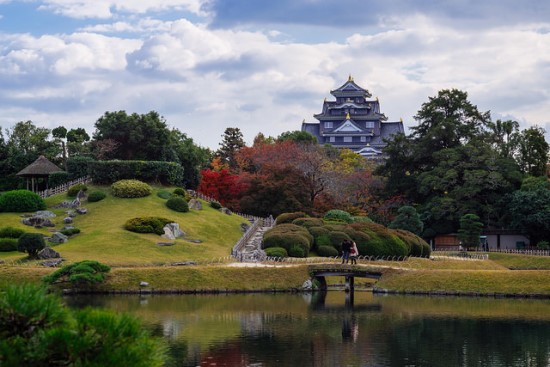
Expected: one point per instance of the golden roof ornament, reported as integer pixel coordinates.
(348, 116)
(350, 78)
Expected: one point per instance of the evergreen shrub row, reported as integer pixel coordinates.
(96, 195)
(57, 179)
(10, 232)
(107, 172)
(73, 190)
(8, 244)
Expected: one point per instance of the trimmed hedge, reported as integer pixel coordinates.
(327, 251)
(308, 222)
(87, 272)
(178, 204)
(164, 194)
(318, 231)
(147, 225)
(96, 195)
(131, 189)
(297, 251)
(58, 178)
(107, 172)
(77, 167)
(8, 244)
(338, 215)
(215, 204)
(276, 252)
(289, 217)
(19, 201)
(10, 232)
(70, 231)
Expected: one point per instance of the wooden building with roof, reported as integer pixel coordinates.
(37, 172)
(353, 121)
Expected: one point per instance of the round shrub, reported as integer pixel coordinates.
(323, 240)
(336, 239)
(31, 243)
(361, 219)
(338, 215)
(308, 222)
(286, 241)
(327, 251)
(19, 201)
(164, 194)
(215, 204)
(178, 204)
(73, 190)
(147, 225)
(131, 189)
(276, 252)
(96, 195)
(8, 244)
(417, 246)
(288, 228)
(297, 251)
(70, 231)
(179, 191)
(289, 217)
(318, 231)
(10, 232)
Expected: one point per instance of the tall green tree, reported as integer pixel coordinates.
(232, 142)
(77, 142)
(470, 230)
(298, 136)
(533, 151)
(137, 137)
(60, 134)
(193, 158)
(408, 219)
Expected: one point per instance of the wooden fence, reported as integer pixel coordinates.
(64, 187)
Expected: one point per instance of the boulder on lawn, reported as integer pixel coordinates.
(172, 231)
(48, 253)
(58, 237)
(195, 204)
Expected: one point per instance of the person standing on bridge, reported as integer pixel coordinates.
(346, 248)
(354, 252)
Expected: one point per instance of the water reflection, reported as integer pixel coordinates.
(334, 330)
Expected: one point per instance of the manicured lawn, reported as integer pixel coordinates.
(104, 239)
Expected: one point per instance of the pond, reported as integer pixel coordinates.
(335, 329)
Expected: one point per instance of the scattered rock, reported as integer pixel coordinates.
(195, 204)
(166, 243)
(71, 213)
(225, 211)
(48, 253)
(192, 240)
(37, 222)
(58, 237)
(172, 231)
(67, 220)
(68, 204)
(52, 263)
(44, 214)
(184, 263)
(81, 210)
(81, 195)
(143, 284)
(308, 285)
(67, 227)
(244, 227)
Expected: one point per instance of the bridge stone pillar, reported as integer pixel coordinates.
(350, 280)
(322, 283)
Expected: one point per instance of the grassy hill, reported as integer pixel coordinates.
(103, 237)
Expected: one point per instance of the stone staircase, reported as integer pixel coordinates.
(252, 250)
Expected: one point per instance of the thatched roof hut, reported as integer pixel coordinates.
(40, 168)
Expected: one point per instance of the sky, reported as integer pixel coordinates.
(266, 66)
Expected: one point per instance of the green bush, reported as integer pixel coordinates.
(147, 225)
(10, 232)
(87, 272)
(276, 252)
(543, 245)
(215, 204)
(107, 172)
(77, 167)
(417, 246)
(336, 239)
(318, 231)
(286, 241)
(323, 240)
(297, 251)
(8, 244)
(178, 204)
(31, 243)
(70, 231)
(36, 329)
(361, 219)
(73, 190)
(327, 251)
(19, 201)
(164, 194)
(308, 222)
(131, 189)
(338, 215)
(96, 195)
(57, 178)
(178, 191)
(383, 241)
(289, 217)
(288, 228)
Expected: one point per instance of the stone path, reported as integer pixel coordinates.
(253, 249)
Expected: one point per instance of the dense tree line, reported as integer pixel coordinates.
(117, 135)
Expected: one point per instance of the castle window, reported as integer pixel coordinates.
(363, 139)
(369, 124)
(332, 139)
(328, 125)
(348, 139)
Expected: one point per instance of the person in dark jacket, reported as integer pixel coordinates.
(346, 248)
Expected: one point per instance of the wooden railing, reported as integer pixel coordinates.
(64, 187)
